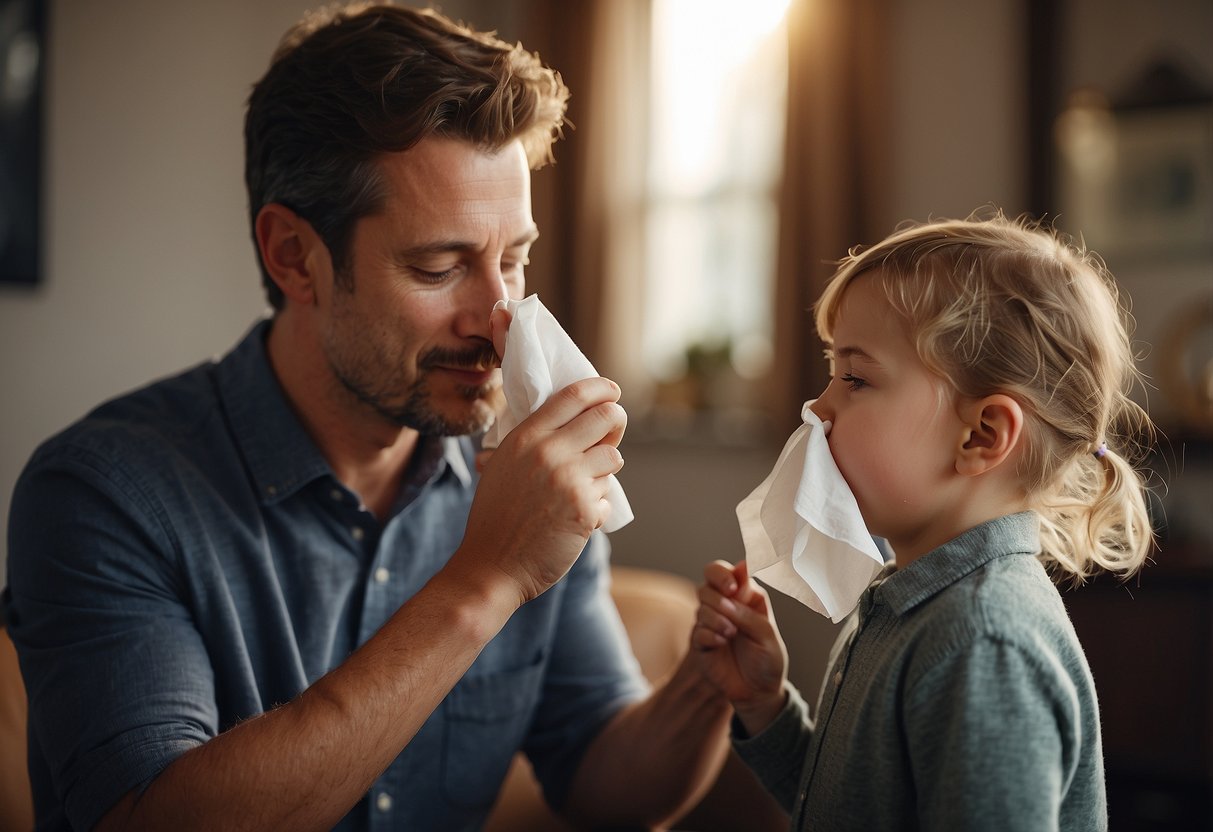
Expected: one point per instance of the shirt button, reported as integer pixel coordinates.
(383, 802)
(357, 532)
(382, 575)
(837, 678)
(336, 494)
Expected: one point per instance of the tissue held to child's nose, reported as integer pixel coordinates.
(802, 529)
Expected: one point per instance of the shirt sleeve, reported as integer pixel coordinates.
(778, 754)
(994, 739)
(119, 682)
(591, 676)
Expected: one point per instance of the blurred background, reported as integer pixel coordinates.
(720, 157)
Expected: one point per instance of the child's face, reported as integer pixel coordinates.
(896, 432)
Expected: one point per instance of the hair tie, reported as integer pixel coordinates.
(1102, 450)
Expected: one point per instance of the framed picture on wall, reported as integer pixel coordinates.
(1136, 175)
(22, 58)
(1159, 199)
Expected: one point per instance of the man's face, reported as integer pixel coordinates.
(411, 338)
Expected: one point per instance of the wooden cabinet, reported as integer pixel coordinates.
(1150, 645)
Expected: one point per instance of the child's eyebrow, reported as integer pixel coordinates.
(851, 352)
(835, 353)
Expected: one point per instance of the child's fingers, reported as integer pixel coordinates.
(712, 620)
(704, 638)
(742, 572)
(719, 576)
(751, 620)
(749, 591)
(745, 586)
(733, 580)
(746, 619)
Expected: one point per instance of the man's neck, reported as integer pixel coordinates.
(367, 453)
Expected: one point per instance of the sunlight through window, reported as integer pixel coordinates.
(717, 121)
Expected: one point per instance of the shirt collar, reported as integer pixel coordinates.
(454, 449)
(281, 456)
(1014, 534)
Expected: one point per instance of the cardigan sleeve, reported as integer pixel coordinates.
(778, 755)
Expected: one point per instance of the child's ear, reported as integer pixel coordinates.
(992, 429)
(291, 250)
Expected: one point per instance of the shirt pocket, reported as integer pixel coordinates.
(486, 718)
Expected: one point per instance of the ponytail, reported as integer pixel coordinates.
(1096, 519)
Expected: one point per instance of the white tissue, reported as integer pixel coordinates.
(540, 358)
(802, 529)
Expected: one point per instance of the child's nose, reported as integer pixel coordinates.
(821, 409)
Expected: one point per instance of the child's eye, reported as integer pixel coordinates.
(852, 381)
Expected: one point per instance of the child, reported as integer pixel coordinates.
(980, 416)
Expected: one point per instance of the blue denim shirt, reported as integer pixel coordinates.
(183, 558)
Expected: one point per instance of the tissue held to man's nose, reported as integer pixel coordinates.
(540, 358)
(802, 529)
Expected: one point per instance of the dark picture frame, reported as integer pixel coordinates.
(1139, 175)
(22, 82)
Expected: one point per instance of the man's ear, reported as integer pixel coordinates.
(292, 251)
(993, 427)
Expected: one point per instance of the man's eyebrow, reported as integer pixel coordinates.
(445, 246)
(528, 237)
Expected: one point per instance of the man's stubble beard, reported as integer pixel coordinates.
(418, 413)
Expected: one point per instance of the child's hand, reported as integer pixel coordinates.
(737, 645)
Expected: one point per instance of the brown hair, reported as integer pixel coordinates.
(995, 305)
(348, 84)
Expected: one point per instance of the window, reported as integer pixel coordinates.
(716, 121)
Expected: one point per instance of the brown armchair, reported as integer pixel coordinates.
(16, 805)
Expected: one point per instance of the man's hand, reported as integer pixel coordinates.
(542, 492)
(737, 646)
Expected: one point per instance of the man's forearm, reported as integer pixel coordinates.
(305, 764)
(656, 759)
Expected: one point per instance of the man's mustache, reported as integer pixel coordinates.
(484, 358)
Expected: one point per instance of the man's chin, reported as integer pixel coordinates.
(472, 417)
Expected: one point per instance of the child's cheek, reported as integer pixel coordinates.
(855, 462)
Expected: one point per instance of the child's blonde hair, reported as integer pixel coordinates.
(1010, 306)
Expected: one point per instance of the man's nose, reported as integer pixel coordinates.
(491, 285)
(482, 293)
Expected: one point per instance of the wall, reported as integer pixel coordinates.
(957, 134)
(148, 264)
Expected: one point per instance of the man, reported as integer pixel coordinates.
(269, 593)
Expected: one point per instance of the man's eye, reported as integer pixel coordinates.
(853, 382)
(437, 277)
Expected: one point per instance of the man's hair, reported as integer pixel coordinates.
(995, 305)
(348, 84)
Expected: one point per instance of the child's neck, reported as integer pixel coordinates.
(916, 542)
